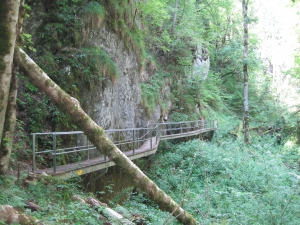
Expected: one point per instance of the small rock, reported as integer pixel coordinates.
(77, 198)
(10, 215)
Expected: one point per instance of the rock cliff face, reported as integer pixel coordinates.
(201, 63)
(113, 105)
(110, 104)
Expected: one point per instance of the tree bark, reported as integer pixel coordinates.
(245, 70)
(9, 14)
(96, 135)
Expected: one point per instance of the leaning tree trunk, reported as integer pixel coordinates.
(9, 13)
(245, 70)
(96, 135)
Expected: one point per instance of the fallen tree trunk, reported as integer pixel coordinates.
(96, 135)
(103, 209)
(108, 212)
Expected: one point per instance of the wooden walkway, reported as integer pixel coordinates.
(91, 165)
(99, 163)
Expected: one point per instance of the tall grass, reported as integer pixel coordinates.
(227, 182)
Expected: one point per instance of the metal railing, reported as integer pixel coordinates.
(129, 139)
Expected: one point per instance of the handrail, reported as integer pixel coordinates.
(130, 137)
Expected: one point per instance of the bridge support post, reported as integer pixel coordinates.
(54, 152)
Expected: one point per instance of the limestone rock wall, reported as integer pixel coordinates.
(110, 104)
(113, 105)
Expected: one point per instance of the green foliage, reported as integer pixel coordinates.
(20, 143)
(226, 182)
(80, 68)
(26, 41)
(151, 92)
(148, 211)
(155, 13)
(13, 196)
(95, 9)
(177, 117)
(94, 13)
(44, 116)
(122, 19)
(54, 199)
(61, 26)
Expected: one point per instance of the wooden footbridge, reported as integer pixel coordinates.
(81, 157)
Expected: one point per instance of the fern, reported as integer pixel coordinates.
(11, 196)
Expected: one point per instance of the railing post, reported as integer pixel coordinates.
(133, 140)
(119, 138)
(157, 133)
(33, 153)
(54, 152)
(88, 150)
(151, 139)
(138, 138)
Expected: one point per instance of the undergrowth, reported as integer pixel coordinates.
(54, 199)
(228, 182)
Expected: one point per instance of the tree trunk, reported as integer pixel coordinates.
(9, 13)
(245, 70)
(174, 17)
(9, 125)
(96, 135)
